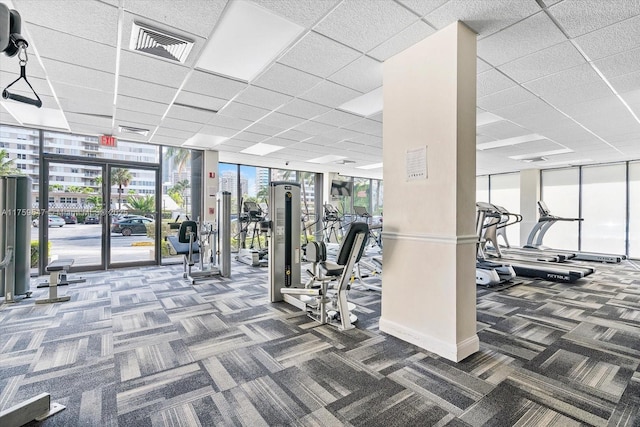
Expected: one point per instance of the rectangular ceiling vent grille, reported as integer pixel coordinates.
(159, 43)
(130, 129)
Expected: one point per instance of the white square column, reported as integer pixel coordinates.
(529, 196)
(428, 286)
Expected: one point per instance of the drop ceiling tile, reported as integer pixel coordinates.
(174, 133)
(330, 94)
(539, 122)
(281, 142)
(572, 77)
(135, 104)
(579, 17)
(183, 15)
(620, 64)
(85, 100)
(610, 40)
(321, 141)
(342, 133)
(543, 63)
(377, 117)
(262, 98)
(367, 126)
(312, 127)
(502, 130)
(578, 94)
(504, 98)
(284, 79)
(234, 145)
(408, 37)
(181, 125)
(12, 66)
(527, 108)
(148, 120)
(200, 101)
(154, 70)
(535, 33)
(626, 83)
(221, 131)
(280, 120)
(485, 17)
(229, 122)
(492, 81)
(167, 140)
(339, 118)
(144, 90)
(481, 139)
(364, 75)
(6, 118)
(244, 111)
(209, 84)
(80, 21)
(264, 129)
(349, 145)
(369, 140)
(92, 129)
(73, 50)
(294, 135)
(85, 119)
(79, 76)
(422, 7)
(249, 136)
(482, 66)
(318, 55)
(361, 26)
(190, 114)
(302, 12)
(303, 109)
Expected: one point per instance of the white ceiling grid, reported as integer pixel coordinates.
(533, 70)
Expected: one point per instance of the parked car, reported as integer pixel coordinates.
(130, 226)
(69, 218)
(92, 219)
(54, 221)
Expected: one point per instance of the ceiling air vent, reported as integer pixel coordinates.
(535, 159)
(130, 129)
(345, 162)
(159, 43)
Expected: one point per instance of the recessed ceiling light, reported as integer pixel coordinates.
(485, 118)
(261, 149)
(248, 38)
(204, 140)
(372, 166)
(525, 157)
(510, 141)
(42, 117)
(327, 159)
(365, 105)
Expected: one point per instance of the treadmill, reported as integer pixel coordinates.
(498, 229)
(523, 267)
(546, 220)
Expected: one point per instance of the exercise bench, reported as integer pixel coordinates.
(57, 277)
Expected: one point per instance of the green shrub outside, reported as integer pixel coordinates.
(35, 252)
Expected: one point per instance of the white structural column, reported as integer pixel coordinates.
(210, 185)
(429, 290)
(529, 196)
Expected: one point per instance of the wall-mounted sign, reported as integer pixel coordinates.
(108, 141)
(416, 164)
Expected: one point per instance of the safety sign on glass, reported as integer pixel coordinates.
(416, 164)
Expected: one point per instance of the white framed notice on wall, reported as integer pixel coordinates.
(416, 164)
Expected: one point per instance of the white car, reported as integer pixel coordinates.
(54, 221)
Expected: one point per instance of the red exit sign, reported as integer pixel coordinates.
(108, 140)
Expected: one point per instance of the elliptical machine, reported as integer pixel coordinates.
(252, 217)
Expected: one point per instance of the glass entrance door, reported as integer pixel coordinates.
(133, 216)
(72, 215)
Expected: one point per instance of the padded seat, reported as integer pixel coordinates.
(329, 268)
(183, 248)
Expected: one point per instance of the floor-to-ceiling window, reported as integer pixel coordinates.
(482, 188)
(634, 210)
(604, 208)
(505, 192)
(561, 193)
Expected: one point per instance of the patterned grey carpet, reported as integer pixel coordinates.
(142, 347)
